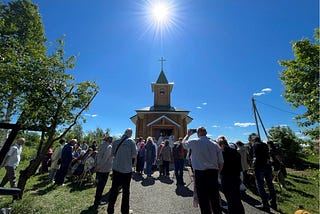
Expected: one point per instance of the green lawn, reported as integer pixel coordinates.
(302, 190)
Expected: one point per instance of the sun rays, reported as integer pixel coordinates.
(160, 17)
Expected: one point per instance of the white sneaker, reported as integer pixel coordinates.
(102, 203)
(130, 211)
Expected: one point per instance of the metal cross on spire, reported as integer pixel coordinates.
(162, 60)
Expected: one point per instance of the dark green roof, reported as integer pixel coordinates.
(162, 79)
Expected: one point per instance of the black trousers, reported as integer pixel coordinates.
(120, 180)
(207, 188)
(231, 190)
(61, 174)
(102, 178)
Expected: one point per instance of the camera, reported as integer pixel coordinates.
(193, 130)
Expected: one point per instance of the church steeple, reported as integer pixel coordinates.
(162, 79)
(162, 90)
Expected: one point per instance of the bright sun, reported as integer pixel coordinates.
(160, 12)
(160, 16)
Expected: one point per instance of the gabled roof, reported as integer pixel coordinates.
(162, 79)
(167, 118)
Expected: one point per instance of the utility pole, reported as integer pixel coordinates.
(256, 114)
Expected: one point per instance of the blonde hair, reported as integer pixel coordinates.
(149, 139)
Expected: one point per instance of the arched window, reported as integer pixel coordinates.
(162, 91)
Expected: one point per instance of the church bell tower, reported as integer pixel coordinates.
(162, 91)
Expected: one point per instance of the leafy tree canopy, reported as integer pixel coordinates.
(288, 141)
(22, 51)
(301, 80)
(35, 87)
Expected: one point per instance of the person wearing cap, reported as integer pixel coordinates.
(103, 168)
(207, 161)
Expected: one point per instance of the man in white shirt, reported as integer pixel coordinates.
(207, 161)
(11, 163)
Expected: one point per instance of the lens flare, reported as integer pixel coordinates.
(160, 12)
(160, 18)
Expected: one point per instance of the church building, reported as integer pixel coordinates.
(161, 119)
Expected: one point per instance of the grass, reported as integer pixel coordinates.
(41, 196)
(302, 191)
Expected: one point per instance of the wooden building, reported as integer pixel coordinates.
(161, 118)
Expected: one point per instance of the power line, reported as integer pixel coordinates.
(276, 107)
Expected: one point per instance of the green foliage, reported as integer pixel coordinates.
(288, 142)
(301, 80)
(96, 135)
(32, 138)
(28, 153)
(22, 51)
(76, 132)
(35, 87)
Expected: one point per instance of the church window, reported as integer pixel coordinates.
(162, 91)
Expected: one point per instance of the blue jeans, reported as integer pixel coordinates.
(149, 167)
(178, 170)
(261, 175)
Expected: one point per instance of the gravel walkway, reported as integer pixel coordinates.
(162, 196)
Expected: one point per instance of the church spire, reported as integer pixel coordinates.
(162, 60)
(162, 79)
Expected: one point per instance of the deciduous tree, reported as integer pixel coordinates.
(288, 141)
(301, 81)
(35, 87)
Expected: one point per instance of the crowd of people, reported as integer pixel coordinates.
(216, 164)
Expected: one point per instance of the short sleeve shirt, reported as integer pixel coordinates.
(122, 161)
(206, 154)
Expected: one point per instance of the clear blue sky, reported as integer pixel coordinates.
(218, 54)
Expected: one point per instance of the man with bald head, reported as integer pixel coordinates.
(11, 163)
(207, 161)
(123, 150)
